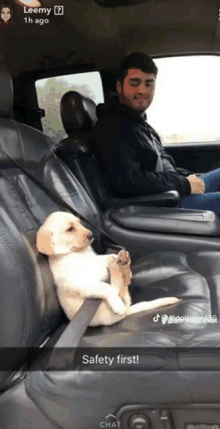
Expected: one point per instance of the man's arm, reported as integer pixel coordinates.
(197, 185)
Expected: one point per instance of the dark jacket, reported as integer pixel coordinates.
(131, 155)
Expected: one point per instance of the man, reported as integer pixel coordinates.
(129, 150)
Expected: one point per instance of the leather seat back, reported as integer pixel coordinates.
(29, 307)
(78, 114)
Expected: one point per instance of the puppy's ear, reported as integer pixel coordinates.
(44, 242)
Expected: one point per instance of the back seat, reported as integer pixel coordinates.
(31, 315)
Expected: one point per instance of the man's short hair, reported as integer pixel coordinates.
(136, 60)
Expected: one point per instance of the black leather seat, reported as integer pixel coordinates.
(78, 115)
(172, 366)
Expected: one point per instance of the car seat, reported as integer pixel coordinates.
(176, 359)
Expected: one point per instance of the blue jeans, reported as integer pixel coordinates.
(210, 200)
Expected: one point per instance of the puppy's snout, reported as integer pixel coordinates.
(89, 236)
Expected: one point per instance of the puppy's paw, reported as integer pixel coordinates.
(123, 258)
(124, 262)
(173, 300)
(119, 308)
(167, 301)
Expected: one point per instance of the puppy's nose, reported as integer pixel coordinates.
(90, 236)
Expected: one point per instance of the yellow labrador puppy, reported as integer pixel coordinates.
(80, 273)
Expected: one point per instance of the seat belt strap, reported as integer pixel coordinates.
(70, 338)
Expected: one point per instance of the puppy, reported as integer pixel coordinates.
(80, 273)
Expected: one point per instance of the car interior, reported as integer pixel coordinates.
(56, 373)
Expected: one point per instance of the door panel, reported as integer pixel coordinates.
(196, 157)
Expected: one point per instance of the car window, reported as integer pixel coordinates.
(186, 103)
(51, 90)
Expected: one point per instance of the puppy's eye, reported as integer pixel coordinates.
(70, 229)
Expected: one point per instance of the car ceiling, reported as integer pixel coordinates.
(93, 36)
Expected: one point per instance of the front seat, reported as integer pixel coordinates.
(78, 115)
(33, 395)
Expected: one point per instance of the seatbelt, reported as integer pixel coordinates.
(159, 164)
(62, 203)
(70, 338)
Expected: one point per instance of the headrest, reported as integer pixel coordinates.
(77, 112)
(6, 91)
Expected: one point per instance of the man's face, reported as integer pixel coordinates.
(5, 14)
(137, 89)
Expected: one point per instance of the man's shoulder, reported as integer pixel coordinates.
(113, 116)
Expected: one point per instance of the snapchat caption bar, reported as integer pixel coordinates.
(45, 11)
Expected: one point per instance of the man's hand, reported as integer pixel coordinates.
(197, 185)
